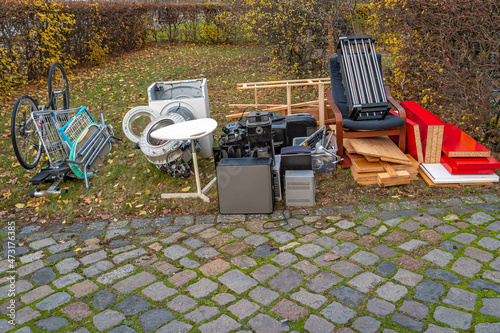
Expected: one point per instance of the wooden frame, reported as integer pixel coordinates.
(341, 132)
(318, 105)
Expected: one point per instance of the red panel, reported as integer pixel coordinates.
(414, 110)
(430, 131)
(470, 163)
(456, 143)
(467, 172)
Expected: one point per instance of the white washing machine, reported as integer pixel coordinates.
(189, 98)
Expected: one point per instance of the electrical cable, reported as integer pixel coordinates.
(284, 219)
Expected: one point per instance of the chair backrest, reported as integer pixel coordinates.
(338, 89)
(357, 82)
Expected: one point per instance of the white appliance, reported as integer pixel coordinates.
(300, 188)
(189, 98)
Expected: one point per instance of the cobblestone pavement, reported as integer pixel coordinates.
(392, 267)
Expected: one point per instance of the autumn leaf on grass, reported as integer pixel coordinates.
(185, 189)
(19, 205)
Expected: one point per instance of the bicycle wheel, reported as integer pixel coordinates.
(58, 88)
(25, 140)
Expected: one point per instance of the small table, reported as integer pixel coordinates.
(188, 130)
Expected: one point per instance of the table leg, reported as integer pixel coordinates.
(199, 192)
(196, 171)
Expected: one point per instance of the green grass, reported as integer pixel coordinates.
(127, 185)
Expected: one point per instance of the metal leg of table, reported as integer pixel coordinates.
(199, 191)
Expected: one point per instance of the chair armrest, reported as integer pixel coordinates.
(399, 108)
(333, 105)
(339, 129)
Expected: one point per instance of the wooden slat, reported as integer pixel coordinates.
(401, 178)
(282, 84)
(362, 165)
(438, 144)
(389, 169)
(348, 147)
(381, 147)
(372, 159)
(372, 176)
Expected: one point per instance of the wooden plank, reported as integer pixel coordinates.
(430, 142)
(361, 165)
(280, 84)
(401, 178)
(438, 146)
(348, 147)
(372, 176)
(372, 159)
(244, 106)
(413, 140)
(270, 108)
(381, 147)
(321, 97)
(457, 143)
(390, 171)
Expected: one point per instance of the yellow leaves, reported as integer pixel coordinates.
(77, 249)
(185, 189)
(20, 205)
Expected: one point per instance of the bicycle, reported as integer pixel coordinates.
(25, 141)
(73, 142)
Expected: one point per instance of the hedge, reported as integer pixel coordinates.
(35, 33)
(445, 55)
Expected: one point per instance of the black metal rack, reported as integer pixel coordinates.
(362, 77)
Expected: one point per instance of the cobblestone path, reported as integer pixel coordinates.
(409, 266)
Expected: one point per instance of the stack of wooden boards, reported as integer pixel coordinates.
(379, 160)
(448, 156)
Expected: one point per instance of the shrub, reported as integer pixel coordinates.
(297, 32)
(35, 33)
(445, 56)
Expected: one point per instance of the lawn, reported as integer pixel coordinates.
(128, 186)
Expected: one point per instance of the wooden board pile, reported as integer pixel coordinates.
(448, 156)
(378, 160)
